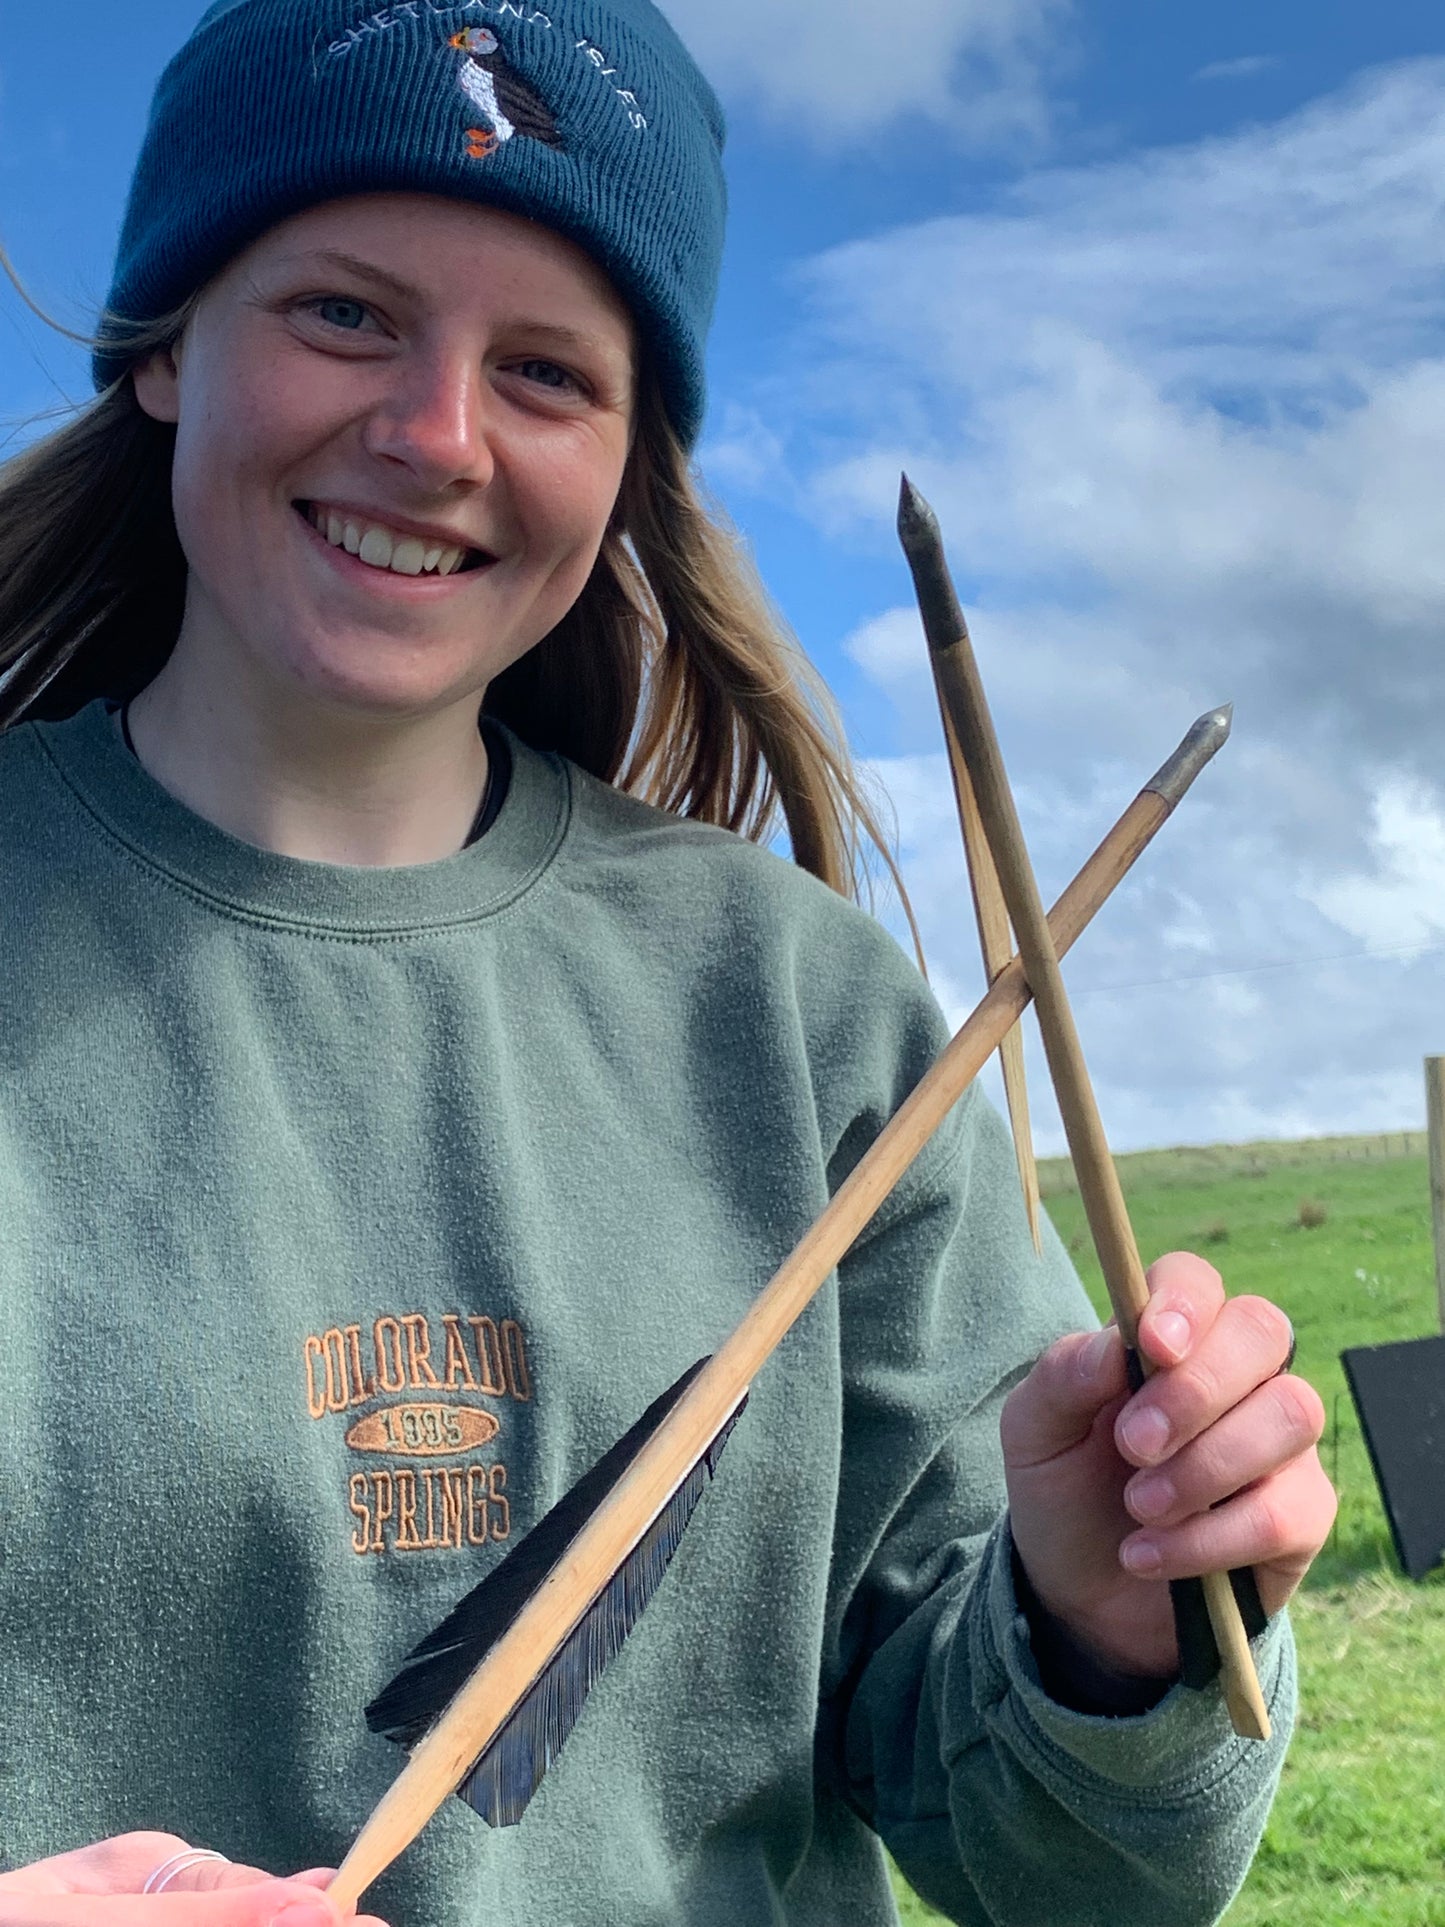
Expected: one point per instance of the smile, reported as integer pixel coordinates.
(389, 549)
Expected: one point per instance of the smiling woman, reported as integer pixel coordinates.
(718, 716)
(419, 412)
(414, 1061)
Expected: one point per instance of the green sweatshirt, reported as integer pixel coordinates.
(347, 1216)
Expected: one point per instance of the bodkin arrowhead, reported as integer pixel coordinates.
(1203, 743)
(918, 528)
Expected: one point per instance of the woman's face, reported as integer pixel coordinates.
(448, 389)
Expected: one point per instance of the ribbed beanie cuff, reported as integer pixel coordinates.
(589, 116)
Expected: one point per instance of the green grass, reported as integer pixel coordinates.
(1358, 1831)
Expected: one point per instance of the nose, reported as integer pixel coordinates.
(433, 421)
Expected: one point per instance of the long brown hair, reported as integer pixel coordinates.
(672, 677)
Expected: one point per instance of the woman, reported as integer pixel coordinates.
(393, 1107)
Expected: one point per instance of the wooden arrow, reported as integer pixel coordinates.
(996, 943)
(458, 1744)
(956, 673)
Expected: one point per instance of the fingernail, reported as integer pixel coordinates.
(1139, 1556)
(1146, 1433)
(1171, 1329)
(1096, 1355)
(1150, 1497)
(304, 1913)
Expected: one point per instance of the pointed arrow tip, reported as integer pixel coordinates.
(917, 523)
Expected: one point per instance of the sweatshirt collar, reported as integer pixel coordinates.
(129, 806)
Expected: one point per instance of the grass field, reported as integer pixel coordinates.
(1338, 1232)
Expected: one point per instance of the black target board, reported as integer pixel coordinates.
(1399, 1393)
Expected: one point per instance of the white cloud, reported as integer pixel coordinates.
(1263, 267)
(745, 452)
(890, 649)
(1244, 67)
(1148, 463)
(834, 68)
(1183, 417)
(1400, 900)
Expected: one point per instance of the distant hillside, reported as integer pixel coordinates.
(1205, 1163)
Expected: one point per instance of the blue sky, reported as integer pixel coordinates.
(1150, 299)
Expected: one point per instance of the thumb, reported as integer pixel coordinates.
(267, 1903)
(1057, 1406)
(297, 1905)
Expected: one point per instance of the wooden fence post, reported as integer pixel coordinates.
(1435, 1107)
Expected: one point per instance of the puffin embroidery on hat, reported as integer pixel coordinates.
(509, 105)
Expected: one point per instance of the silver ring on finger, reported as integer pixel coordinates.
(161, 1877)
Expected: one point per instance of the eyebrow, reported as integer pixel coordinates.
(354, 264)
(551, 331)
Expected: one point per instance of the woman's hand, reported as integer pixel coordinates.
(101, 1886)
(1211, 1466)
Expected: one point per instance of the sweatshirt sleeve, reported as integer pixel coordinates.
(1000, 1806)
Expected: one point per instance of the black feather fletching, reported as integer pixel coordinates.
(511, 1769)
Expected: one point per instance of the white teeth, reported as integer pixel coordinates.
(381, 548)
(376, 548)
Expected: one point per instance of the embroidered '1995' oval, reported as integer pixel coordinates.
(423, 1431)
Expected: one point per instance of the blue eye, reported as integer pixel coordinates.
(338, 312)
(548, 374)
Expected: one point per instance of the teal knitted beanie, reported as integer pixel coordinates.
(587, 115)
